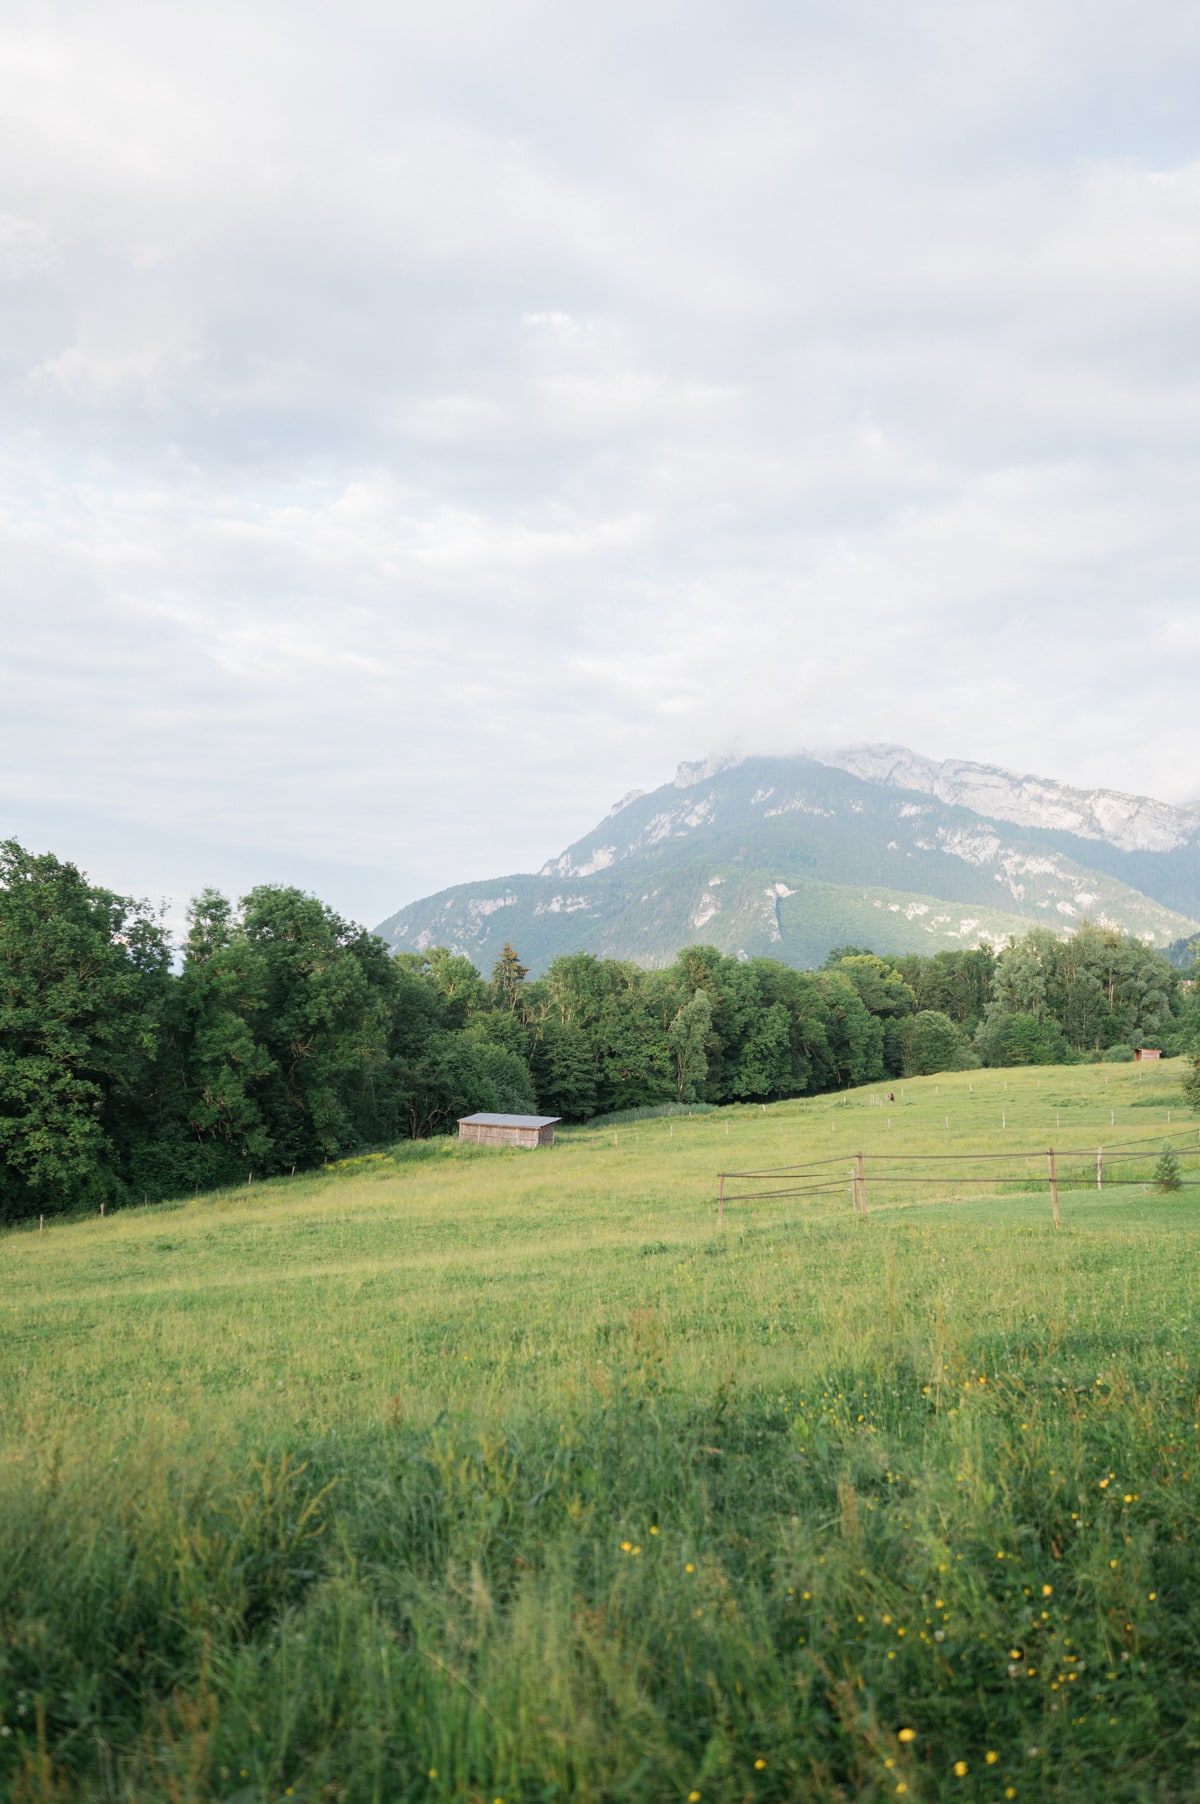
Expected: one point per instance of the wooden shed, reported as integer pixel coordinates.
(1146, 1054)
(508, 1130)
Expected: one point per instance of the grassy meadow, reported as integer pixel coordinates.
(460, 1474)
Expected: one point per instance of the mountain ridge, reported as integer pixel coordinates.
(1131, 823)
(782, 855)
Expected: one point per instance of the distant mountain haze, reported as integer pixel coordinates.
(790, 856)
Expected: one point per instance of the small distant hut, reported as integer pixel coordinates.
(1145, 1055)
(508, 1130)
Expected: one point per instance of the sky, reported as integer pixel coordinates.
(420, 425)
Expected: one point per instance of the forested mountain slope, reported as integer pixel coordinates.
(790, 856)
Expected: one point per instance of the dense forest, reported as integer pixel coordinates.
(279, 1035)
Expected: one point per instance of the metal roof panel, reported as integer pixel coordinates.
(513, 1121)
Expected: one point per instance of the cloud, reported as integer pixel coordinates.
(421, 427)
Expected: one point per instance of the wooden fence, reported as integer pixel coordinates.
(952, 1176)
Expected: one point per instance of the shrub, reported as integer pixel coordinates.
(1191, 1084)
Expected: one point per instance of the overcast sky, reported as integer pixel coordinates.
(421, 424)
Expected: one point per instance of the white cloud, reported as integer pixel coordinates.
(421, 426)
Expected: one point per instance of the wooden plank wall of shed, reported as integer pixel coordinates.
(485, 1135)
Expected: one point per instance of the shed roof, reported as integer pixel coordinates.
(513, 1121)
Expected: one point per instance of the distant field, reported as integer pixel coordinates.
(455, 1474)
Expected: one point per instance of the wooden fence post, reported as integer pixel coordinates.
(721, 1203)
(1099, 1168)
(862, 1187)
(1053, 1186)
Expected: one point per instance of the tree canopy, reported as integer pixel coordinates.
(279, 1035)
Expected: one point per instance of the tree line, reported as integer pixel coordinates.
(279, 1035)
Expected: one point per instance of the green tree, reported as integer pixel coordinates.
(756, 1030)
(1022, 969)
(853, 1035)
(454, 980)
(1140, 982)
(508, 980)
(578, 984)
(769, 1023)
(931, 1042)
(458, 1073)
(1077, 994)
(634, 1064)
(204, 1123)
(327, 991)
(564, 1070)
(882, 988)
(83, 979)
(687, 1041)
(1017, 1039)
(1166, 1170)
(1191, 1083)
(958, 984)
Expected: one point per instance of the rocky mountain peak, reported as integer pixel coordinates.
(688, 775)
(1131, 823)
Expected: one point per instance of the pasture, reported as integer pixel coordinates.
(455, 1474)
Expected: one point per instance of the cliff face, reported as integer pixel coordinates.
(790, 856)
(1130, 823)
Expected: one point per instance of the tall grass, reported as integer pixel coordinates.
(505, 1476)
(661, 1111)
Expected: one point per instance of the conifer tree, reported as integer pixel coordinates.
(1166, 1171)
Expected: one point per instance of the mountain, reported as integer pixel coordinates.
(1127, 823)
(872, 845)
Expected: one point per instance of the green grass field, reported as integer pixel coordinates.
(458, 1474)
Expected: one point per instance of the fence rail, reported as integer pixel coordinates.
(1069, 1167)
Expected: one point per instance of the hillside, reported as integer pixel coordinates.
(790, 856)
(448, 1474)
